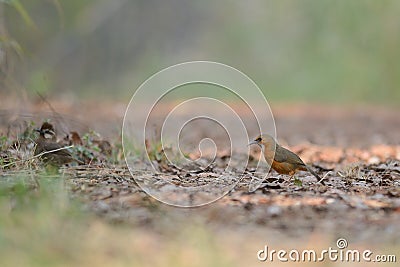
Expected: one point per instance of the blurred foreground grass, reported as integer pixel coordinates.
(41, 226)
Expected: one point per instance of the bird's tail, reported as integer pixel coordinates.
(315, 174)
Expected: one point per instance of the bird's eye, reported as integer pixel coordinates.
(258, 139)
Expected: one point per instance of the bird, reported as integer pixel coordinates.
(46, 142)
(282, 160)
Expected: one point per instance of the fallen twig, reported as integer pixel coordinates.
(37, 156)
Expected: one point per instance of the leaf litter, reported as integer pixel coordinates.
(362, 188)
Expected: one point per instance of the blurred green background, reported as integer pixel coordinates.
(320, 51)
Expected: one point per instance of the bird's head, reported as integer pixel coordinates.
(263, 140)
(47, 131)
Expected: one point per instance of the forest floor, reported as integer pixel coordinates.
(356, 149)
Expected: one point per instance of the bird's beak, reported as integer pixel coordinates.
(253, 143)
(37, 130)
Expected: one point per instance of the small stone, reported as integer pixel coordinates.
(373, 160)
(330, 201)
(274, 210)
